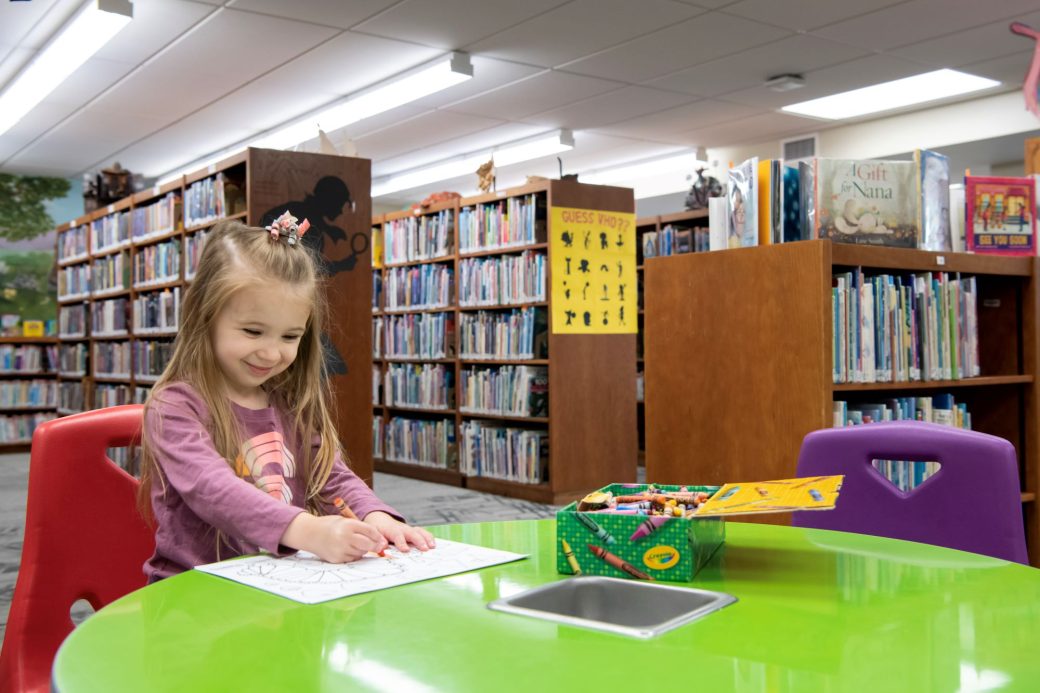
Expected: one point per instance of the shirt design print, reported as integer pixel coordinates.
(267, 460)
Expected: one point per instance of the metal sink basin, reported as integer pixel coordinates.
(629, 607)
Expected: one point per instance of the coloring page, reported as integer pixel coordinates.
(306, 578)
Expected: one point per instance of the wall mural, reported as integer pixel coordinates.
(28, 274)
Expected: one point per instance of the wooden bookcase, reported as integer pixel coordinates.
(590, 424)
(258, 184)
(15, 415)
(695, 219)
(739, 359)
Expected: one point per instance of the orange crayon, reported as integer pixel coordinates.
(345, 511)
(618, 562)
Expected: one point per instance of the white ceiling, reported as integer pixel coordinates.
(633, 78)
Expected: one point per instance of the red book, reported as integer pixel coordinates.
(999, 215)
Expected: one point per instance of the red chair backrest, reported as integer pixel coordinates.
(84, 538)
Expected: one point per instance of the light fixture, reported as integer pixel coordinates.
(888, 96)
(503, 155)
(650, 177)
(404, 88)
(90, 28)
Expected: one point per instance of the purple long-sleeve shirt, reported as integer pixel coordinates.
(196, 493)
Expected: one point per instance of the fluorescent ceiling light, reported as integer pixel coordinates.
(398, 91)
(650, 178)
(503, 155)
(888, 96)
(405, 88)
(90, 28)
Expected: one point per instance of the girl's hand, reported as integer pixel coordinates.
(401, 535)
(333, 538)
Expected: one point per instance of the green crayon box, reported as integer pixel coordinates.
(636, 546)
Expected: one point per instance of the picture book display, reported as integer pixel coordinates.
(742, 192)
(303, 577)
(933, 182)
(1000, 215)
(862, 201)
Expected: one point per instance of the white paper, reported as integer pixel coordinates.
(305, 578)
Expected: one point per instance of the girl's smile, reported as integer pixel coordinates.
(256, 336)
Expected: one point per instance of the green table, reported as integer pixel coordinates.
(817, 610)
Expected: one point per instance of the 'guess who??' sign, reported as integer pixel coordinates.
(593, 272)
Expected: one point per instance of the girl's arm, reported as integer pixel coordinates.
(344, 483)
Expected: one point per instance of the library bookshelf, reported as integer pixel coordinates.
(739, 356)
(696, 222)
(587, 436)
(28, 388)
(123, 271)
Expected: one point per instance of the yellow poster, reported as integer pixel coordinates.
(593, 272)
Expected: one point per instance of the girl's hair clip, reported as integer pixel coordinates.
(286, 226)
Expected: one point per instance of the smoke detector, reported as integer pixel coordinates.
(785, 82)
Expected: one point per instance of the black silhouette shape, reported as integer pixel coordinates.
(603, 240)
(568, 239)
(587, 318)
(584, 267)
(322, 207)
(570, 316)
(588, 239)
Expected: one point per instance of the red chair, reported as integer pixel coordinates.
(84, 538)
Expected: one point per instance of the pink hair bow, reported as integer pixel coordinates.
(287, 227)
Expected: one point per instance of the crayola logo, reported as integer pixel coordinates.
(661, 557)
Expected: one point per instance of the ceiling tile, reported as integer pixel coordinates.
(975, 45)
(156, 23)
(542, 92)
(679, 46)
(795, 54)
(179, 144)
(328, 12)
(30, 24)
(802, 15)
(1009, 69)
(580, 28)
(919, 20)
(418, 132)
(830, 80)
(452, 24)
(680, 119)
(613, 107)
(242, 45)
(754, 129)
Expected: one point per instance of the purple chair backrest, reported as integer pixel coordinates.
(972, 503)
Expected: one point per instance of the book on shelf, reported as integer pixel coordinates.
(933, 189)
(1000, 214)
(743, 204)
(861, 201)
(792, 205)
(718, 223)
(770, 201)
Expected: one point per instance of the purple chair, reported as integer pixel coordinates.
(972, 503)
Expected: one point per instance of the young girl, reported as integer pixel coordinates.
(239, 450)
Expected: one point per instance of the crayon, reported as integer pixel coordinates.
(648, 527)
(813, 480)
(816, 495)
(618, 562)
(590, 524)
(729, 493)
(569, 555)
(345, 511)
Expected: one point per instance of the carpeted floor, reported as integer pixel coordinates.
(421, 503)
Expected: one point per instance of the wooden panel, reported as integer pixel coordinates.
(737, 361)
(592, 397)
(320, 188)
(1029, 452)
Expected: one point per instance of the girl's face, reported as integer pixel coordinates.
(256, 336)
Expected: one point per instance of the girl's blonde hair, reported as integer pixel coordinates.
(235, 257)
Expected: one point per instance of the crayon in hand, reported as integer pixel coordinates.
(590, 524)
(618, 562)
(345, 511)
(569, 555)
